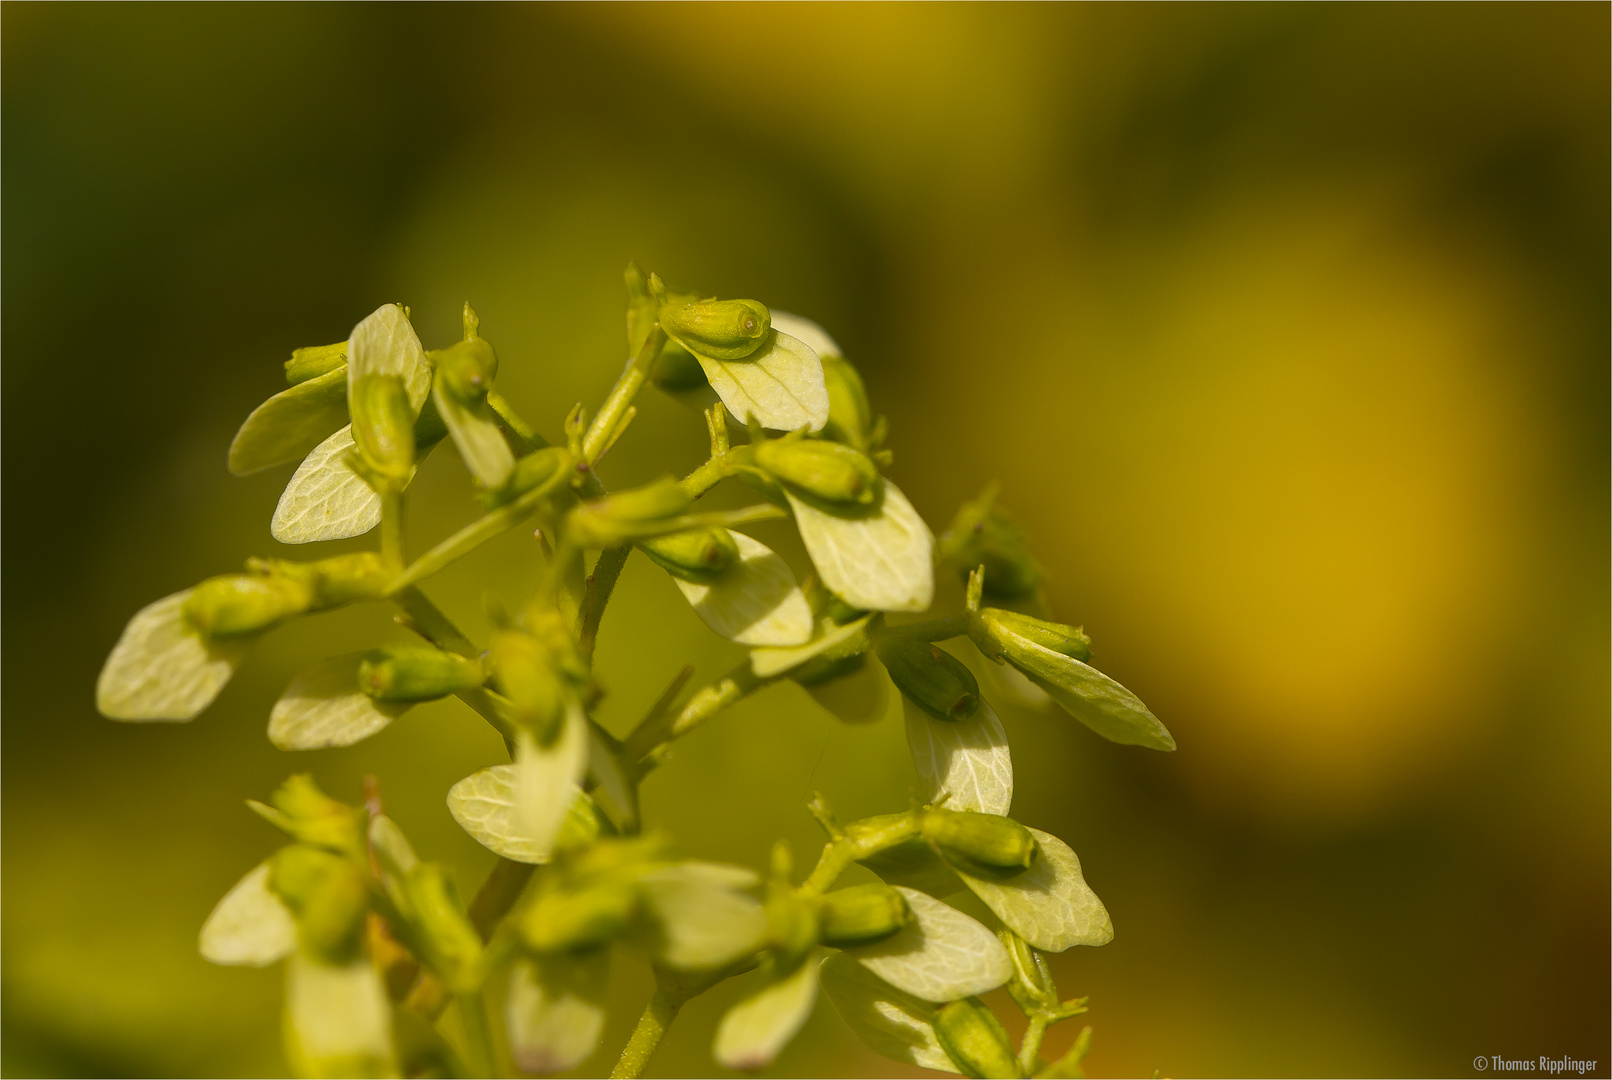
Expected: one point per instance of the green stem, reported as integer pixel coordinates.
(600, 585)
(929, 630)
(478, 1034)
(392, 528)
(1030, 1045)
(524, 433)
(427, 620)
(615, 406)
(649, 740)
(498, 894)
(646, 1036)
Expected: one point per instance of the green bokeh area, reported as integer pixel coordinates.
(1284, 327)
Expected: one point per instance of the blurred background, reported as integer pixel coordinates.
(1285, 329)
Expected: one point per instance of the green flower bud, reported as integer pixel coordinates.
(980, 844)
(523, 671)
(675, 370)
(564, 920)
(931, 678)
(791, 923)
(974, 1039)
(234, 604)
(826, 470)
(466, 368)
(1003, 632)
(345, 578)
(628, 515)
(314, 361)
(861, 914)
(416, 673)
(314, 818)
(439, 917)
(329, 896)
(531, 471)
(849, 414)
(383, 427)
(719, 329)
(694, 555)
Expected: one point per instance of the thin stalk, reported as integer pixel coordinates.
(427, 620)
(603, 428)
(649, 740)
(498, 894)
(478, 1034)
(1030, 1045)
(929, 630)
(525, 435)
(599, 587)
(392, 527)
(646, 1036)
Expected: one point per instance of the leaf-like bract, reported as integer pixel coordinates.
(250, 926)
(556, 1009)
(896, 1025)
(914, 864)
(755, 601)
(338, 1022)
(1092, 697)
(386, 344)
(1006, 683)
(478, 439)
(966, 760)
(483, 804)
(324, 707)
(290, 423)
(768, 662)
(755, 1029)
(546, 778)
(160, 669)
(395, 857)
(814, 336)
(1049, 905)
(865, 697)
(326, 499)
(780, 384)
(942, 955)
(875, 560)
(702, 915)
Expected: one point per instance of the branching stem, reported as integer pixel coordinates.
(657, 1016)
(602, 431)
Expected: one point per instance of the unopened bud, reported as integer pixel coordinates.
(329, 896)
(861, 914)
(342, 579)
(531, 471)
(523, 671)
(931, 678)
(416, 673)
(978, 842)
(628, 515)
(827, 470)
(974, 1039)
(383, 426)
(565, 920)
(314, 361)
(235, 604)
(466, 368)
(696, 555)
(720, 329)
(314, 818)
(440, 918)
(849, 414)
(1005, 633)
(791, 923)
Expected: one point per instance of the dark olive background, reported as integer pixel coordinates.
(1285, 328)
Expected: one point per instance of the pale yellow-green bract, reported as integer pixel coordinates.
(768, 662)
(942, 955)
(160, 669)
(546, 777)
(477, 437)
(555, 1012)
(395, 856)
(290, 423)
(325, 499)
(702, 915)
(755, 601)
(755, 1029)
(967, 760)
(385, 344)
(877, 561)
(338, 1022)
(814, 336)
(1090, 696)
(250, 926)
(483, 804)
(1049, 905)
(780, 385)
(897, 1025)
(1006, 683)
(324, 707)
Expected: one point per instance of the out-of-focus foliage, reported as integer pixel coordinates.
(1293, 317)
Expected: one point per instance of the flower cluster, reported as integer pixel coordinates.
(379, 946)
